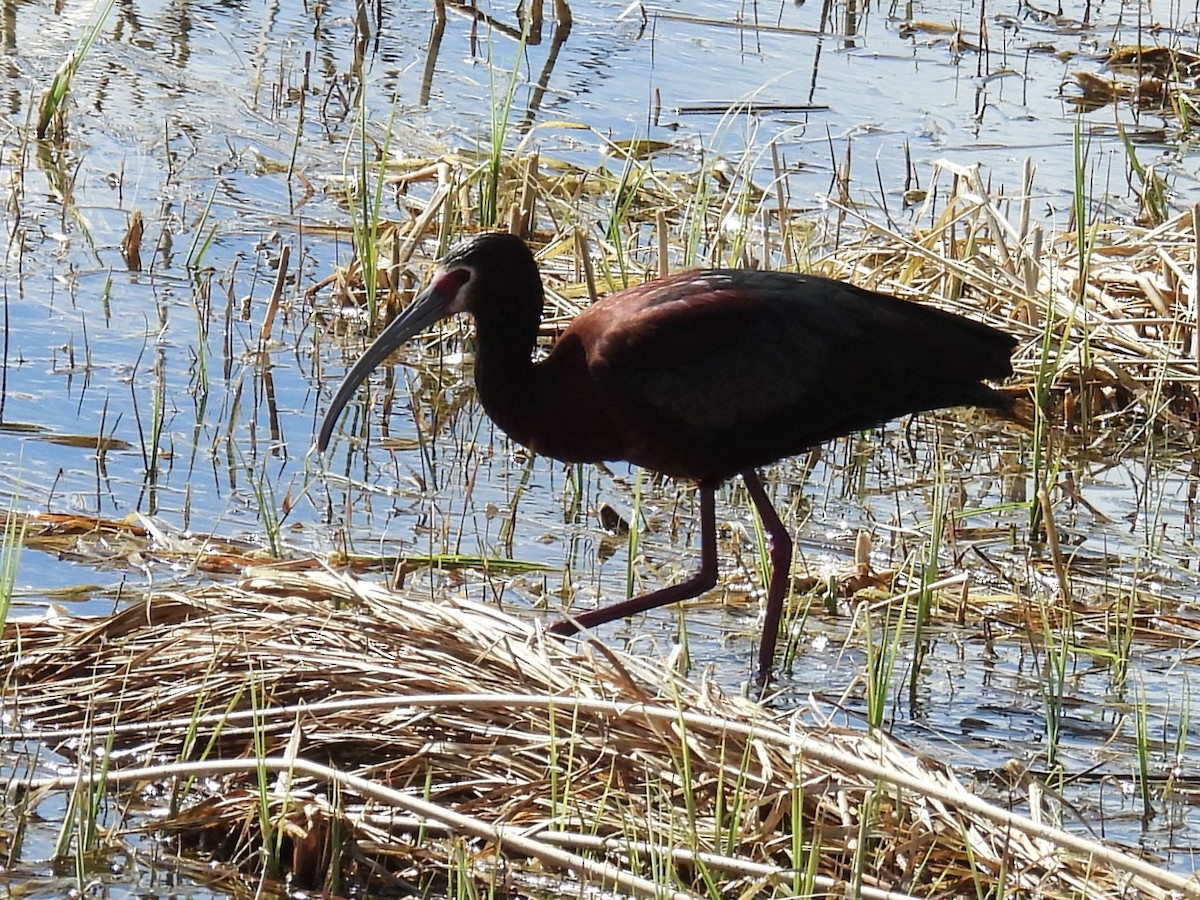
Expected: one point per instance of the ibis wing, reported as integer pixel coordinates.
(786, 361)
(707, 361)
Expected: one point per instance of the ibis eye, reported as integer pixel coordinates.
(450, 283)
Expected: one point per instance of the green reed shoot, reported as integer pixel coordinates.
(1057, 653)
(1142, 729)
(509, 528)
(795, 617)
(731, 806)
(367, 203)
(882, 656)
(427, 796)
(150, 447)
(201, 300)
(742, 207)
(929, 574)
(183, 786)
(86, 803)
(1085, 242)
(51, 105)
(489, 200)
(804, 866)
(268, 511)
(460, 882)
(200, 241)
(1043, 467)
(635, 533)
(10, 556)
(979, 878)
(272, 861)
(1154, 193)
(1183, 727)
(1121, 634)
(559, 774)
(332, 886)
(628, 185)
(762, 547)
(106, 297)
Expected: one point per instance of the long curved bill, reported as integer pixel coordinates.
(428, 307)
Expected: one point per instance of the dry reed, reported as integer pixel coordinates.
(392, 728)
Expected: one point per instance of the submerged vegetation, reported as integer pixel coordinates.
(253, 695)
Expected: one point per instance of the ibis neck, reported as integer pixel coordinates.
(504, 368)
(501, 374)
(546, 406)
(549, 407)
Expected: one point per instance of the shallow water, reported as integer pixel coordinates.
(191, 116)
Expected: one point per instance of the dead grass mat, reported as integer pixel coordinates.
(381, 731)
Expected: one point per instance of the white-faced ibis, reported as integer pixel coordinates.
(702, 375)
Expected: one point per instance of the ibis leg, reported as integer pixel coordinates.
(781, 566)
(694, 586)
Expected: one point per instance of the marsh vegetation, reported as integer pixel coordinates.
(232, 666)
